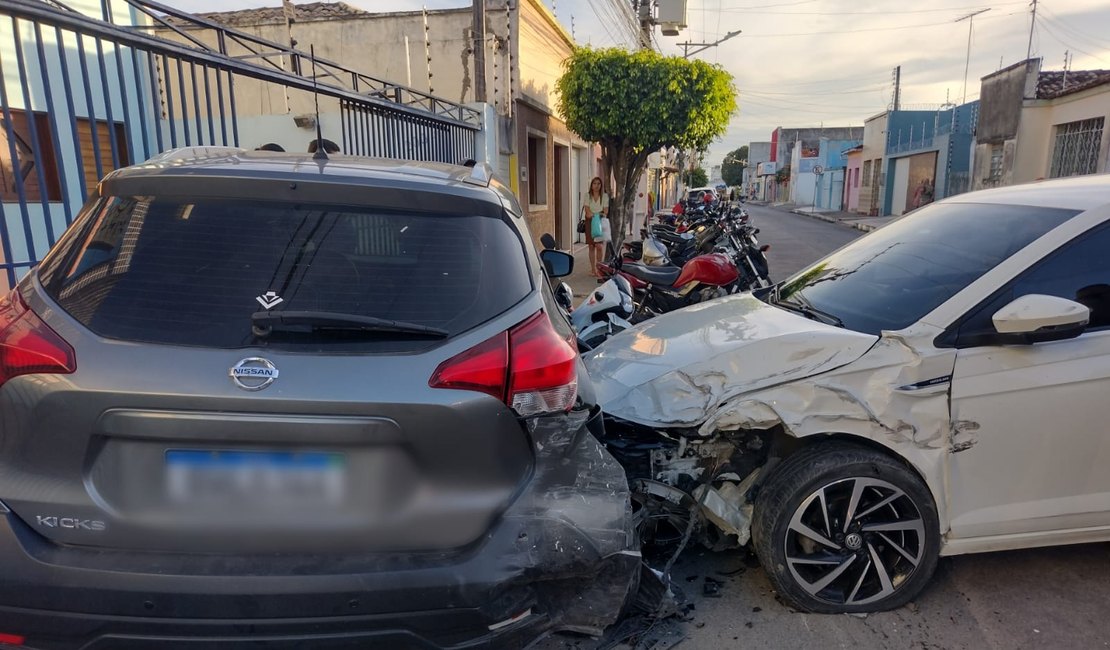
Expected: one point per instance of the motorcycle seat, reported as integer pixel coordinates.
(661, 275)
(680, 239)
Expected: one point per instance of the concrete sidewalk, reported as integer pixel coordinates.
(581, 282)
(851, 219)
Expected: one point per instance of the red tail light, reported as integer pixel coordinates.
(483, 368)
(11, 639)
(28, 345)
(544, 375)
(530, 368)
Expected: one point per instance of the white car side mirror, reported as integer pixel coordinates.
(1036, 317)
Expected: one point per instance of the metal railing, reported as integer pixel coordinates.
(81, 96)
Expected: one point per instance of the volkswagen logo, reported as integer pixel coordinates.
(253, 373)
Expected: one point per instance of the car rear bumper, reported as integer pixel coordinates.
(563, 557)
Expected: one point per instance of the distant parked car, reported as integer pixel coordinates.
(937, 387)
(696, 195)
(267, 399)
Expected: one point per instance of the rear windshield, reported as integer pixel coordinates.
(174, 271)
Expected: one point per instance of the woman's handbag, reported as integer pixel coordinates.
(582, 226)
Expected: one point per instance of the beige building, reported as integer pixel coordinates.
(872, 175)
(1035, 125)
(547, 166)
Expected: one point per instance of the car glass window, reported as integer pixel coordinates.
(1078, 270)
(890, 279)
(167, 270)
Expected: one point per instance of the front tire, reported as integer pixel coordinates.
(840, 528)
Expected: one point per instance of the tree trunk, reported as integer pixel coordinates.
(627, 166)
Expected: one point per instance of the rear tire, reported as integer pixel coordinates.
(840, 528)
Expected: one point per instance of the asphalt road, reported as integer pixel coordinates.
(1044, 598)
(796, 240)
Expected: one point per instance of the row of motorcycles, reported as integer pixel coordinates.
(701, 252)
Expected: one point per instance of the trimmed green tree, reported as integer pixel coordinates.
(732, 167)
(636, 103)
(695, 177)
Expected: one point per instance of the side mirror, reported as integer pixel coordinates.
(558, 264)
(1036, 318)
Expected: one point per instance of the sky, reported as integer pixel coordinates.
(801, 63)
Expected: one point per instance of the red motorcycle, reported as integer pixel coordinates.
(659, 289)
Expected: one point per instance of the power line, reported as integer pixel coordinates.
(835, 80)
(784, 4)
(612, 17)
(790, 102)
(855, 13)
(602, 22)
(1045, 24)
(1063, 26)
(813, 94)
(850, 31)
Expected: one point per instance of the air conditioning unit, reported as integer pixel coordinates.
(672, 16)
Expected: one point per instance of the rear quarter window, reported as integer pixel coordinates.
(175, 271)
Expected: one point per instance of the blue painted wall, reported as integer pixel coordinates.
(829, 191)
(28, 232)
(947, 132)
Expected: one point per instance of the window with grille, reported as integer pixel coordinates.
(867, 173)
(96, 139)
(19, 157)
(1076, 149)
(996, 163)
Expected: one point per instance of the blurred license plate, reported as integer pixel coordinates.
(257, 477)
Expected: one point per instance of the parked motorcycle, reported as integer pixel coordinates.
(715, 256)
(602, 314)
(660, 289)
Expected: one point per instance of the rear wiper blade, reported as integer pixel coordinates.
(265, 322)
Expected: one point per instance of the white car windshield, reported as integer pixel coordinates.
(890, 279)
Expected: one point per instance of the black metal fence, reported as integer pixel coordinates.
(82, 95)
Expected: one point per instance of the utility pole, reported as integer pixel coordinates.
(686, 53)
(970, 18)
(288, 12)
(1032, 25)
(647, 22)
(479, 31)
(897, 87)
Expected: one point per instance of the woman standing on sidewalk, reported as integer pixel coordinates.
(595, 210)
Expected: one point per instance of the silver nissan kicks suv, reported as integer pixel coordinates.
(267, 399)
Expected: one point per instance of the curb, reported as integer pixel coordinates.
(858, 225)
(817, 215)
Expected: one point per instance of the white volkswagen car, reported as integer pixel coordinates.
(940, 386)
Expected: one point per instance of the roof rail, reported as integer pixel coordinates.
(194, 153)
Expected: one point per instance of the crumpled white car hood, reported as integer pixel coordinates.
(676, 369)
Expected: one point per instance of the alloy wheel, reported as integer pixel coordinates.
(854, 541)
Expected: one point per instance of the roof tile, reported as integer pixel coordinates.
(1051, 84)
(305, 12)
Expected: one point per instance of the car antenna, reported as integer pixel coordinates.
(320, 154)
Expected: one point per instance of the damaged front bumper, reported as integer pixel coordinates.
(563, 556)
